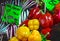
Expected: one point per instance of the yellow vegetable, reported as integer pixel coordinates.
(13, 39)
(33, 24)
(23, 32)
(35, 36)
(24, 39)
(48, 40)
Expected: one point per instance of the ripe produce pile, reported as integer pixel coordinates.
(31, 21)
(38, 25)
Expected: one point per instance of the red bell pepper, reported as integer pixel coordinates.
(46, 20)
(56, 15)
(25, 22)
(45, 31)
(34, 12)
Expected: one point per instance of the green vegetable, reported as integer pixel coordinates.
(43, 37)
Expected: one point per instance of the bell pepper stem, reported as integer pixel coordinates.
(47, 34)
(23, 25)
(42, 12)
(45, 8)
(37, 1)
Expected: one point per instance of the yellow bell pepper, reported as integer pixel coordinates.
(33, 24)
(13, 39)
(23, 32)
(35, 36)
(24, 39)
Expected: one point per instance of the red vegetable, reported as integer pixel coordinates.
(56, 15)
(46, 20)
(25, 22)
(45, 31)
(34, 12)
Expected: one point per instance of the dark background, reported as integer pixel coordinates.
(55, 34)
(1, 1)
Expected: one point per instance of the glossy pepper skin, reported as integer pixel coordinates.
(56, 15)
(25, 22)
(46, 20)
(35, 36)
(22, 32)
(45, 31)
(13, 39)
(33, 24)
(34, 12)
